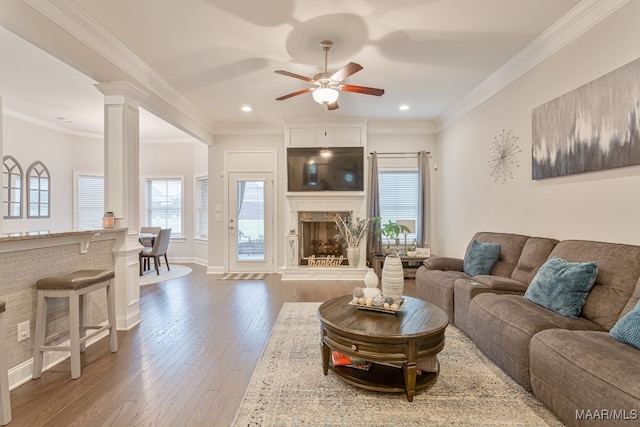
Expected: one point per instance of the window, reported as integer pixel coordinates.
(89, 196)
(202, 207)
(163, 204)
(38, 195)
(399, 197)
(12, 187)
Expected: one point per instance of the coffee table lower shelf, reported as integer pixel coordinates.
(382, 378)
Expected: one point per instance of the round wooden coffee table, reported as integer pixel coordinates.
(402, 347)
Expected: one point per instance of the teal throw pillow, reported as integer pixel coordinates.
(563, 286)
(627, 329)
(481, 258)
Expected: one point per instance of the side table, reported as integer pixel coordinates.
(409, 265)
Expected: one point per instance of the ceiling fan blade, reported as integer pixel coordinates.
(346, 71)
(300, 92)
(294, 75)
(362, 89)
(333, 106)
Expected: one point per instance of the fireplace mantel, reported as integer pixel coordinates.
(326, 201)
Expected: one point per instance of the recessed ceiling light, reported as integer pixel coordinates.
(246, 109)
(404, 107)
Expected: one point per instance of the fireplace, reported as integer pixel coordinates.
(316, 237)
(312, 236)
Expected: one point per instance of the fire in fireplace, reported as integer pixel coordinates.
(316, 234)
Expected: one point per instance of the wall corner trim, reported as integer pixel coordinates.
(580, 19)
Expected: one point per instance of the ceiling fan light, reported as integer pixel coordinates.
(325, 95)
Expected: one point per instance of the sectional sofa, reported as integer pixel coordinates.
(572, 365)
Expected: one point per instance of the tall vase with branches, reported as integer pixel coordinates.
(351, 230)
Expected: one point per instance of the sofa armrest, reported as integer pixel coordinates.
(497, 283)
(443, 263)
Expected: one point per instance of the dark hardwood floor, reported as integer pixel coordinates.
(187, 364)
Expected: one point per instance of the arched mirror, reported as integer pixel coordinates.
(38, 196)
(12, 188)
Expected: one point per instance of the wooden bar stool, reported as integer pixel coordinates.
(74, 286)
(5, 401)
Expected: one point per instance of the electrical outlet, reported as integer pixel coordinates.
(24, 332)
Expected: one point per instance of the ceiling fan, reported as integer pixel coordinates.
(327, 85)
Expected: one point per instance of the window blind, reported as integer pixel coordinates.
(163, 204)
(202, 207)
(398, 192)
(90, 202)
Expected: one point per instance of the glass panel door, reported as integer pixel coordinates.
(250, 222)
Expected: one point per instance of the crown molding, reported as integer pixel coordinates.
(403, 127)
(29, 119)
(73, 19)
(583, 17)
(249, 128)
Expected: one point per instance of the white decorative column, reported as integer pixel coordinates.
(121, 191)
(1, 157)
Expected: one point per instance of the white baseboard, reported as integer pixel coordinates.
(23, 372)
(191, 260)
(215, 269)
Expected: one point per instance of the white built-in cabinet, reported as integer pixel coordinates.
(325, 134)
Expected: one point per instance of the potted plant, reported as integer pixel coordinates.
(391, 230)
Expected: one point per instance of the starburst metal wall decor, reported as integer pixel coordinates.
(503, 157)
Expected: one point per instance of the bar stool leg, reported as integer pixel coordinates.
(5, 400)
(41, 321)
(111, 313)
(83, 321)
(74, 328)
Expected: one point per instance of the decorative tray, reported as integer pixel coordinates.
(379, 309)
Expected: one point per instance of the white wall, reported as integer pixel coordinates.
(28, 143)
(168, 160)
(63, 153)
(597, 206)
(217, 182)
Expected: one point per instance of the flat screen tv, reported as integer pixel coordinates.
(325, 169)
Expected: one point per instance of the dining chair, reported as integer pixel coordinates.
(148, 230)
(159, 248)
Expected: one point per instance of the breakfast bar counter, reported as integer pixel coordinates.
(27, 257)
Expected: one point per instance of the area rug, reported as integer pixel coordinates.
(288, 387)
(150, 277)
(243, 276)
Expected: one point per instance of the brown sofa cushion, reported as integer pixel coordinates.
(635, 297)
(444, 263)
(502, 327)
(498, 283)
(511, 246)
(436, 287)
(618, 272)
(534, 254)
(574, 370)
(464, 290)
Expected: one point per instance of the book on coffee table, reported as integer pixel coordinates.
(340, 359)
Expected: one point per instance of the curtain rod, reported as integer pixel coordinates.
(400, 155)
(406, 152)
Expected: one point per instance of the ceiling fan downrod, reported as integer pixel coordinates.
(326, 45)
